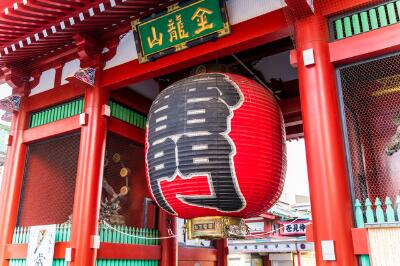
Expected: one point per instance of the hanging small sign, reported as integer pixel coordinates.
(294, 228)
(41, 245)
(181, 26)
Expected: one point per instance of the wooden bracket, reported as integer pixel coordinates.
(111, 45)
(17, 79)
(89, 50)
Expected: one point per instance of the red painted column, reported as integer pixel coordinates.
(222, 252)
(328, 181)
(169, 246)
(12, 181)
(266, 261)
(298, 258)
(89, 177)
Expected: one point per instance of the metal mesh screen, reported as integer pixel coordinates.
(124, 167)
(371, 96)
(49, 182)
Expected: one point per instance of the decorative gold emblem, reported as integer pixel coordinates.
(124, 190)
(116, 157)
(124, 172)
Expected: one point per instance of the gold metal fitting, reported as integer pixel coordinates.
(216, 227)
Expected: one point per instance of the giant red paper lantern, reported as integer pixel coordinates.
(215, 146)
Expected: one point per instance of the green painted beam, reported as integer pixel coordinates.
(127, 115)
(55, 113)
(382, 16)
(339, 29)
(391, 13)
(356, 23)
(347, 27)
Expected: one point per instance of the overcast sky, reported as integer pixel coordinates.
(296, 176)
(5, 91)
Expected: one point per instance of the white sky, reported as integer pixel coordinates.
(296, 176)
(5, 90)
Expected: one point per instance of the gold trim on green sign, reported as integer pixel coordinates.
(179, 27)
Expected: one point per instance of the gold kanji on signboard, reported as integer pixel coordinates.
(201, 18)
(157, 40)
(176, 32)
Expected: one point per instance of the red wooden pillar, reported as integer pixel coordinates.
(298, 258)
(222, 252)
(89, 177)
(326, 162)
(266, 261)
(12, 181)
(169, 246)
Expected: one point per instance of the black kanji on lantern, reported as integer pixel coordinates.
(188, 130)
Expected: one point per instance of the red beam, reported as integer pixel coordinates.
(126, 130)
(294, 132)
(53, 97)
(128, 252)
(290, 107)
(245, 35)
(291, 111)
(132, 99)
(56, 128)
(370, 44)
(197, 254)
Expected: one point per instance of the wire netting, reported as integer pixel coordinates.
(371, 96)
(124, 167)
(49, 181)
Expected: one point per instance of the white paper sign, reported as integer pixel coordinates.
(41, 245)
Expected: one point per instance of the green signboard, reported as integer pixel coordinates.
(181, 26)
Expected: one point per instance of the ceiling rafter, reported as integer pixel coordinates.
(33, 29)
